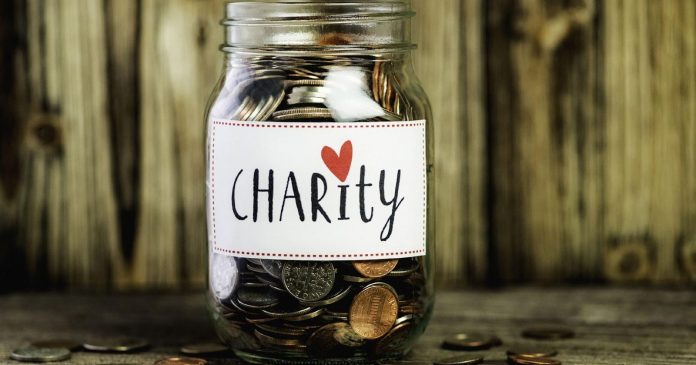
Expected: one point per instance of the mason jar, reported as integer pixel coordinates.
(319, 184)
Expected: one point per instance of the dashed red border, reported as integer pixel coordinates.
(318, 126)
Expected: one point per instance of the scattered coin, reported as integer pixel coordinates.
(57, 343)
(532, 352)
(374, 310)
(524, 360)
(375, 269)
(181, 361)
(470, 342)
(548, 333)
(33, 354)
(116, 345)
(207, 348)
(459, 360)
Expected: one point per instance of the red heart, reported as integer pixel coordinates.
(338, 164)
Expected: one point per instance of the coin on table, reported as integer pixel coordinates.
(181, 361)
(334, 340)
(206, 348)
(116, 345)
(532, 352)
(470, 342)
(224, 275)
(373, 311)
(375, 269)
(71, 345)
(308, 280)
(34, 354)
(459, 360)
(548, 333)
(524, 360)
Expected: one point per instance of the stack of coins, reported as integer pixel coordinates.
(319, 308)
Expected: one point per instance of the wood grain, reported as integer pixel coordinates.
(612, 326)
(566, 140)
(459, 136)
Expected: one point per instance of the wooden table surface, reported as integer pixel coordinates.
(613, 326)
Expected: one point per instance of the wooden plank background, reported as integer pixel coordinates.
(566, 140)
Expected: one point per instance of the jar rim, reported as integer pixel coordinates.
(277, 12)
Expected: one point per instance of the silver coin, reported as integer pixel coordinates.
(116, 345)
(308, 280)
(256, 298)
(273, 267)
(340, 294)
(224, 275)
(34, 354)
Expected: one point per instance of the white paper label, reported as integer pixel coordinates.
(317, 191)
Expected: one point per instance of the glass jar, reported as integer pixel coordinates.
(319, 184)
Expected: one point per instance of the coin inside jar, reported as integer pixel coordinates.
(374, 311)
(334, 340)
(308, 280)
(375, 269)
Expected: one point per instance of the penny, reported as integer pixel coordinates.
(524, 360)
(181, 361)
(34, 354)
(459, 360)
(273, 267)
(116, 345)
(308, 280)
(334, 340)
(532, 352)
(223, 275)
(548, 333)
(207, 348)
(375, 269)
(395, 341)
(470, 342)
(373, 311)
(57, 343)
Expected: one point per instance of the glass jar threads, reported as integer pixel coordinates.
(319, 148)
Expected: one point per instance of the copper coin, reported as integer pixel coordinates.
(375, 269)
(373, 311)
(548, 333)
(470, 342)
(535, 352)
(333, 341)
(524, 360)
(181, 361)
(396, 341)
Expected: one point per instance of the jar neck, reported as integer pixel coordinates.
(288, 26)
